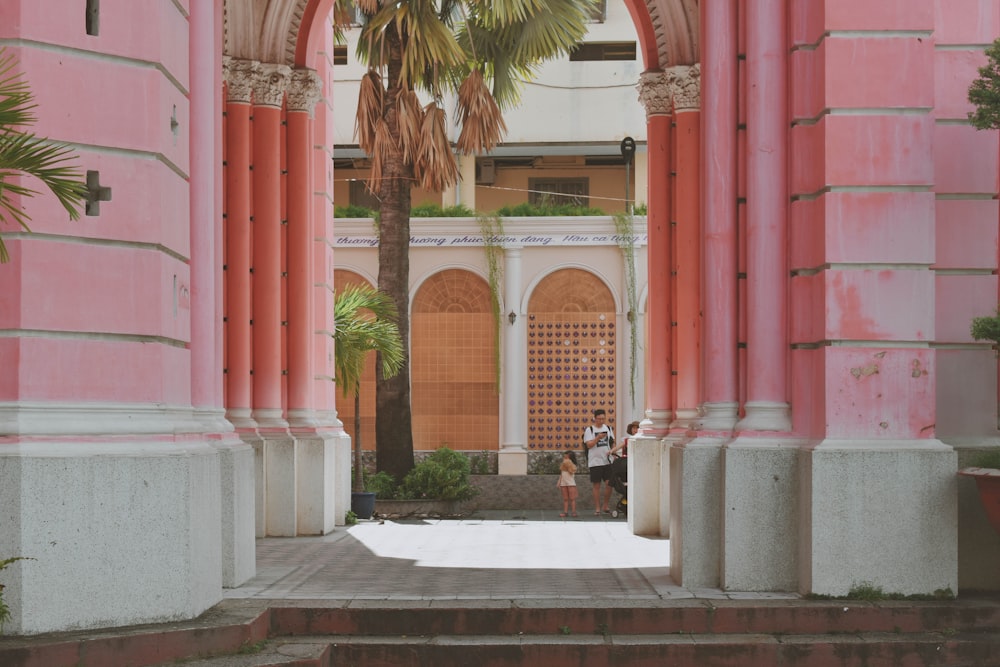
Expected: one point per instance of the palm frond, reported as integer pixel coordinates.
(16, 105)
(23, 153)
(479, 116)
(371, 96)
(435, 167)
(364, 321)
(411, 117)
(381, 149)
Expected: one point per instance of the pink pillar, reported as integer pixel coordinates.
(767, 209)
(240, 75)
(719, 122)
(269, 91)
(303, 93)
(206, 255)
(654, 92)
(324, 390)
(687, 234)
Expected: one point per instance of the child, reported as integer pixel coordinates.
(567, 482)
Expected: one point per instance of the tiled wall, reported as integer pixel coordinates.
(571, 362)
(454, 393)
(571, 358)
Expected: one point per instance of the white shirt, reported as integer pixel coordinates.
(598, 454)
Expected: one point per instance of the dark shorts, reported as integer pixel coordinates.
(600, 474)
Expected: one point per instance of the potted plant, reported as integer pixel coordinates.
(364, 321)
(986, 471)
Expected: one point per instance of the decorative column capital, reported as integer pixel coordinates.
(270, 84)
(305, 89)
(685, 84)
(240, 76)
(655, 93)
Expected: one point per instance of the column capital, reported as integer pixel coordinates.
(305, 89)
(655, 93)
(685, 86)
(240, 76)
(270, 84)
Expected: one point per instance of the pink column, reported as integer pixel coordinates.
(686, 82)
(269, 89)
(654, 93)
(718, 190)
(303, 93)
(240, 75)
(206, 256)
(767, 208)
(324, 390)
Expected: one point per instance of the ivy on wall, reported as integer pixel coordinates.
(491, 228)
(626, 243)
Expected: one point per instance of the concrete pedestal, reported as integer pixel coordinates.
(695, 512)
(512, 462)
(118, 533)
(880, 513)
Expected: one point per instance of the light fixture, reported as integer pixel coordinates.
(511, 317)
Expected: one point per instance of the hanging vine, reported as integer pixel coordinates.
(491, 228)
(626, 242)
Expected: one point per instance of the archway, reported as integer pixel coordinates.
(453, 357)
(572, 358)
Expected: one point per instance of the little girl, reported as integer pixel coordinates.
(567, 482)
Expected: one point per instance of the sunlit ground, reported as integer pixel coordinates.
(495, 544)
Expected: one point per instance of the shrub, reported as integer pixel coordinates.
(353, 211)
(444, 475)
(989, 459)
(382, 484)
(534, 211)
(986, 328)
(436, 211)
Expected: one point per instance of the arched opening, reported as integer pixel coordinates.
(572, 358)
(454, 376)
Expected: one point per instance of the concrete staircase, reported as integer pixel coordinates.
(697, 632)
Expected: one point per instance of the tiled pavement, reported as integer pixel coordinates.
(489, 555)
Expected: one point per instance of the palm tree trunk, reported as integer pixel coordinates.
(393, 420)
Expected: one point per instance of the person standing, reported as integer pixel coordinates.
(599, 439)
(567, 483)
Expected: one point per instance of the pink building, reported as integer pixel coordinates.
(822, 226)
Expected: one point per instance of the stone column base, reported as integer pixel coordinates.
(879, 513)
(695, 512)
(323, 478)
(649, 486)
(760, 513)
(118, 534)
(512, 462)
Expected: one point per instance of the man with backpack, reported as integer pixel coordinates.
(599, 439)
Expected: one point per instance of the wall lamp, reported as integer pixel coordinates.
(511, 317)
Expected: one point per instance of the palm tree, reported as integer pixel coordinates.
(364, 321)
(482, 50)
(23, 153)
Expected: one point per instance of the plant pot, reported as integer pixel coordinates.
(988, 484)
(363, 504)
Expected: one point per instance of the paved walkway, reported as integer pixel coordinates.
(499, 555)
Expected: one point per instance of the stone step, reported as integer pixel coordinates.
(483, 632)
(683, 650)
(702, 617)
